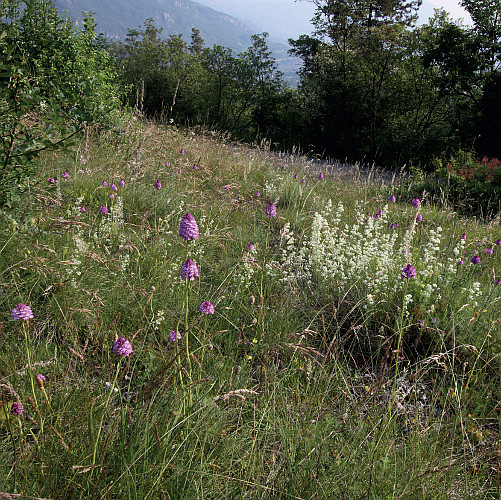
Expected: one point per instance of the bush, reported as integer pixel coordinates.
(54, 80)
(467, 185)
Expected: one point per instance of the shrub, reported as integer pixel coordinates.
(54, 80)
(467, 185)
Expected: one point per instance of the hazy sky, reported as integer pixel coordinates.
(451, 6)
(285, 19)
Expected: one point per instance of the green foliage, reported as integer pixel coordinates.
(485, 15)
(242, 94)
(54, 80)
(376, 89)
(160, 73)
(489, 119)
(463, 183)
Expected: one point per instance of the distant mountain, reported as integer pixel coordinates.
(115, 17)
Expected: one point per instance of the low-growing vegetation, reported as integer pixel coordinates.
(468, 185)
(185, 317)
(181, 320)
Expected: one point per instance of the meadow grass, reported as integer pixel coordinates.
(323, 373)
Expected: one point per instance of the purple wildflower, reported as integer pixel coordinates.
(394, 225)
(460, 262)
(409, 272)
(178, 170)
(434, 320)
(167, 164)
(51, 180)
(497, 281)
(489, 251)
(206, 307)
(188, 228)
(174, 335)
(463, 236)
(271, 210)
(158, 184)
(419, 217)
(498, 242)
(22, 311)
(16, 409)
(195, 167)
(189, 270)
(103, 209)
(181, 151)
(104, 183)
(302, 181)
(121, 183)
(65, 175)
(227, 187)
(122, 347)
(475, 259)
(392, 199)
(83, 209)
(258, 193)
(251, 247)
(112, 186)
(295, 176)
(112, 195)
(320, 175)
(40, 379)
(416, 202)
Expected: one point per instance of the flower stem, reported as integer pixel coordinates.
(186, 328)
(30, 372)
(98, 437)
(399, 344)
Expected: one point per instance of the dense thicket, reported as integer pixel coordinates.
(389, 92)
(192, 84)
(372, 86)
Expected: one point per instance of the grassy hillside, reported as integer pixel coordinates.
(330, 368)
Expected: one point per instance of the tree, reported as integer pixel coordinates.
(197, 42)
(179, 61)
(264, 82)
(486, 15)
(140, 61)
(348, 73)
(374, 87)
(158, 69)
(243, 89)
(221, 66)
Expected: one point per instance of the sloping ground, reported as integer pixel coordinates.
(298, 162)
(275, 402)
